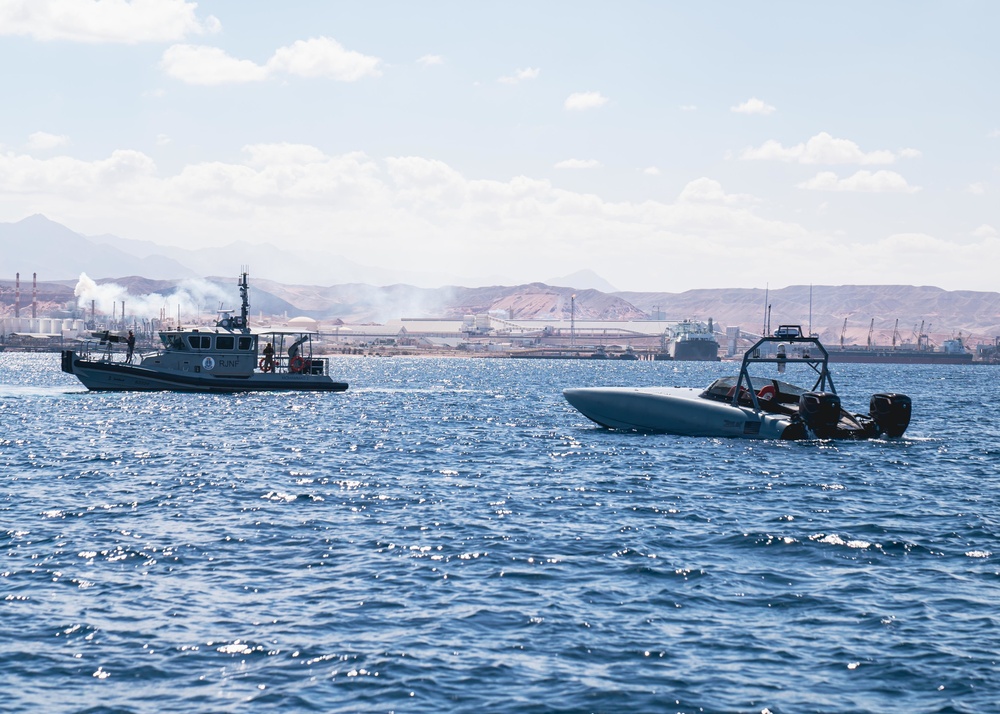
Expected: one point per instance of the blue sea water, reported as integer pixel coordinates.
(450, 535)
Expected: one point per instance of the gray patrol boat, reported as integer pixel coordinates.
(225, 358)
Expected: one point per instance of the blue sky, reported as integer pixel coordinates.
(664, 145)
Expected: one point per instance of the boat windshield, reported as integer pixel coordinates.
(721, 388)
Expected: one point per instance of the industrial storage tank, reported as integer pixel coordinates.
(732, 337)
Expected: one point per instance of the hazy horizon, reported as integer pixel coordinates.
(664, 146)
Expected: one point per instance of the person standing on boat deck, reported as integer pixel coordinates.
(268, 358)
(131, 346)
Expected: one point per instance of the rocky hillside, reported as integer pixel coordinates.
(365, 303)
(894, 308)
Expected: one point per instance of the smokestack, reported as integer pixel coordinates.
(34, 295)
(17, 295)
(93, 313)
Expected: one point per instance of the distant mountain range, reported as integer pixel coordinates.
(364, 294)
(37, 244)
(55, 252)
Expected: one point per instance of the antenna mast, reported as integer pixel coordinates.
(767, 309)
(244, 321)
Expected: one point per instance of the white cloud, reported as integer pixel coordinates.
(863, 181)
(922, 259)
(651, 171)
(430, 60)
(318, 57)
(389, 212)
(910, 153)
(995, 134)
(43, 140)
(395, 212)
(689, 108)
(427, 187)
(753, 106)
(324, 57)
(73, 178)
(580, 101)
(162, 139)
(103, 20)
(578, 164)
(976, 189)
(985, 231)
(820, 149)
(521, 75)
(706, 190)
(208, 66)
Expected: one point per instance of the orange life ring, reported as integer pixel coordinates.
(296, 364)
(744, 393)
(766, 392)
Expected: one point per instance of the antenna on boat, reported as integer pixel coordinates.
(767, 308)
(244, 324)
(810, 309)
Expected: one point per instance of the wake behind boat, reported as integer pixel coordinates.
(225, 358)
(749, 406)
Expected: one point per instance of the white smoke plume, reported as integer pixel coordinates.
(192, 298)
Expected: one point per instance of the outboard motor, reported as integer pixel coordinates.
(891, 412)
(821, 412)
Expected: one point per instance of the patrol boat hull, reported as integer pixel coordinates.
(99, 375)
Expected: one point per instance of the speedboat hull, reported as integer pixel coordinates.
(105, 375)
(694, 412)
(674, 410)
(746, 406)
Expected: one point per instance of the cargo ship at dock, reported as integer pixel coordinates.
(691, 341)
(951, 352)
